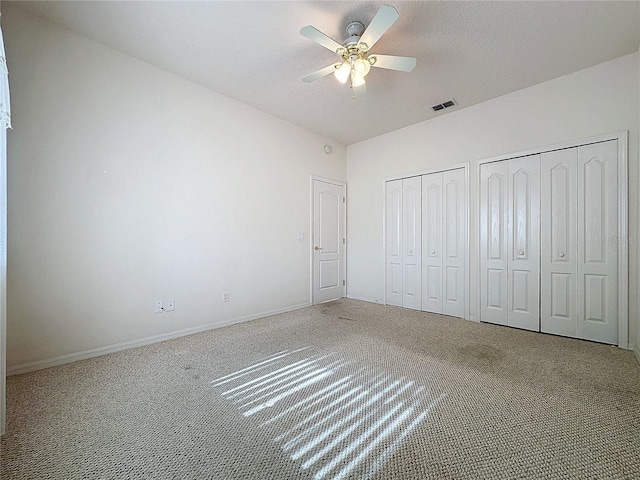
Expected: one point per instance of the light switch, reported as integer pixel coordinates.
(300, 236)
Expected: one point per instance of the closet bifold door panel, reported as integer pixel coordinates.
(524, 243)
(510, 242)
(598, 248)
(580, 251)
(494, 191)
(559, 252)
(394, 242)
(454, 242)
(411, 236)
(444, 242)
(432, 243)
(403, 236)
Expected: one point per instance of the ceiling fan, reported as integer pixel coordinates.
(355, 53)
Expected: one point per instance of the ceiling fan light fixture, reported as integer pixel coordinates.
(357, 80)
(356, 58)
(362, 67)
(342, 72)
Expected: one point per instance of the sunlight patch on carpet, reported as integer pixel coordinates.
(331, 415)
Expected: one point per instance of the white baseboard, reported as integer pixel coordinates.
(365, 299)
(96, 352)
(636, 351)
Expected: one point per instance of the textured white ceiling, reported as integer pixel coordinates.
(253, 52)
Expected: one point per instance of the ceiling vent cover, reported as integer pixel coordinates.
(441, 106)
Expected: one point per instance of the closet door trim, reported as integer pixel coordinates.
(623, 228)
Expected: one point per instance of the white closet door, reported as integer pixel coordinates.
(432, 242)
(558, 257)
(494, 190)
(454, 242)
(510, 242)
(411, 242)
(394, 242)
(524, 243)
(598, 243)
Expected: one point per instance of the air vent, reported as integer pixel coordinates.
(441, 106)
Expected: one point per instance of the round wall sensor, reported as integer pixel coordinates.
(328, 149)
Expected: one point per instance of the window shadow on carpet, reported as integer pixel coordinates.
(333, 416)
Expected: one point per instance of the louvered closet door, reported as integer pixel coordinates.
(598, 242)
(394, 242)
(510, 242)
(411, 242)
(444, 242)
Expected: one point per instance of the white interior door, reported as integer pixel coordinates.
(393, 217)
(598, 242)
(494, 191)
(523, 245)
(328, 241)
(558, 257)
(403, 242)
(411, 243)
(444, 242)
(454, 242)
(432, 242)
(510, 242)
(564, 266)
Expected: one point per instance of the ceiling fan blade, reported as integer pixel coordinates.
(320, 38)
(319, 73)
(403, 64)
(380, 24)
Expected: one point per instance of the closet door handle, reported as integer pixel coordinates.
(561, 254)
(521, 254)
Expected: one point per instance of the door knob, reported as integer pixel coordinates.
(521, 254)
(561, 254)
(316, 248)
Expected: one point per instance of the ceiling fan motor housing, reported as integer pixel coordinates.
(352, 43)
(355, 29)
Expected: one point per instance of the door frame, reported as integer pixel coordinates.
(312, 179)
(623, 217)
(467, 167)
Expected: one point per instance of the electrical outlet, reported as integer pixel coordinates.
(225, 296)
(159, 307)
(170, 305)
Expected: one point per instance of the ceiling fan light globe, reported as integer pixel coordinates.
(342, 72)
(357, 80)
(362, 67)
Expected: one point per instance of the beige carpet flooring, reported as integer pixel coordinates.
(346, 389)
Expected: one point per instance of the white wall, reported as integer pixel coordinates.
(636, 186)
(3, 277)
(599, 100)
(128, 184)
